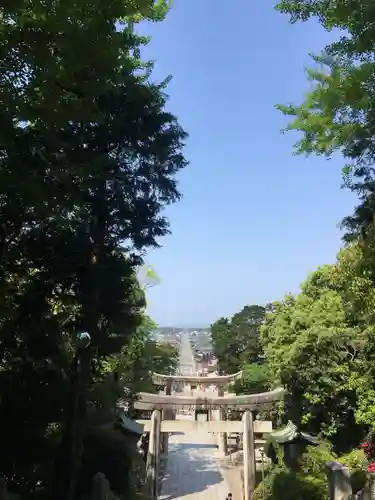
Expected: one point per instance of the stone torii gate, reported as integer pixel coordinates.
(172, 384)
(166, 404)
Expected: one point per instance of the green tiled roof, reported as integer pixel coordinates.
(129, 425)
(290, 433)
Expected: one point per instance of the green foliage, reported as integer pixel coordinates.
(236, 340)
(337, 114)
(357, 463)
(310, 481)
(355, 459)
(255, 379)
(318, 345)
(313, 461)
(141, 357)
(224, 346)
(281, 484)
(108, 451)
(274, 451)
(353, 19)
(245, 327)
(88, 157)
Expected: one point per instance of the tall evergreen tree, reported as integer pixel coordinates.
(88, 157)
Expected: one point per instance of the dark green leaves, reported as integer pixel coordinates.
(337, 115)
(88, 158)
(236, 341)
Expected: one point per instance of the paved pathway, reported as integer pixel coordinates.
(187, 363)
(193, 470)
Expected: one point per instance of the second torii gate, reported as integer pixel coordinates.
(170, 383)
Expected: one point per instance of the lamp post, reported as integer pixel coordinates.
(147, 277)
(83, 341)
(69, 458)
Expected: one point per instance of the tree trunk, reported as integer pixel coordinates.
(66, 480)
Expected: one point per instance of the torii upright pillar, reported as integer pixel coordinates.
(222, 436)
(249, 464)
(167, 414)
(153, 457)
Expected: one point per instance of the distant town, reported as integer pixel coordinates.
(201, 342)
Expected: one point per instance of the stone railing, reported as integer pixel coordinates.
(339, 484)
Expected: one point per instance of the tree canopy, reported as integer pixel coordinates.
(130, 371)
(236, 340)
(330, 323)
(319, 345)
(337, 114)
(142, 356)
(88, 157)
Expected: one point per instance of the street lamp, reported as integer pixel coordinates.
(68, 463)
(147, 277)
(83, 340)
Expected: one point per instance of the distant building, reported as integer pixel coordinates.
(206, 364)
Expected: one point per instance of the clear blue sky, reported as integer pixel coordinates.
(254, 220)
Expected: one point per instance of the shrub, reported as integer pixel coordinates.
(357, 463)
(356, 459)
(309, 483)
(313, 461)
(110, 452)
(282, 484)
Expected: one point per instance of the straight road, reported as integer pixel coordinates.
(193, 468)
(187, 362)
